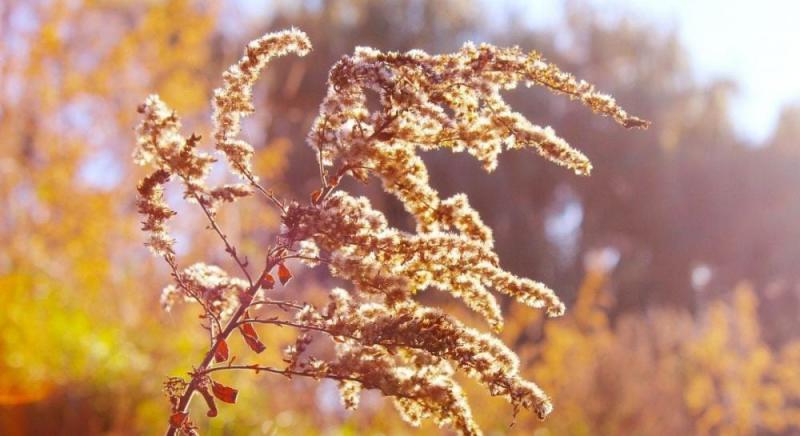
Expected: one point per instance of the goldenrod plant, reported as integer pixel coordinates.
(379, 336)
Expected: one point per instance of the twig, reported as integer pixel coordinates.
(268, 194)
(285, 372)
(230, 249)
(176, 275)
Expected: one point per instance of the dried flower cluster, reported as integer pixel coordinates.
(210, 284)
(383, 338)
(234, 99)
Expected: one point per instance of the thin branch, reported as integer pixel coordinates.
(281, 304)
(322, 171)
(280, 322)
(284, 372)
(230, 249)
(311, 258)
(176, 275)
(268, 194)
(331, 333)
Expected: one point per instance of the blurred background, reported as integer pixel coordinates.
(677, 258)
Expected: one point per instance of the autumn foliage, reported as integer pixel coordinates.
(647, 345)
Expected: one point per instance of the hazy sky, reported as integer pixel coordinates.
(756, 43)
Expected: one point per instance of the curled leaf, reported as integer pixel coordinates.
(224, 393)
(221, 351)
(212, 405)
(251, 337)
(284, 275)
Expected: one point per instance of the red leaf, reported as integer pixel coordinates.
(255, 344)
(212, 407)
(268, 282)
(251, 337)
(284, 275)
(177, 418)
(224, 393)
(221, 351)
(315, 196)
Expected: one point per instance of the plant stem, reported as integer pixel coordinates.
(191, 388)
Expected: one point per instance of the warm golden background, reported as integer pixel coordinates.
(678, 258)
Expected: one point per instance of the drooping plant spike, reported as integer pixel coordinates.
(384, 338)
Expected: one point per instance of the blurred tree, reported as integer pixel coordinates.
(711, 376)
(78, 344)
